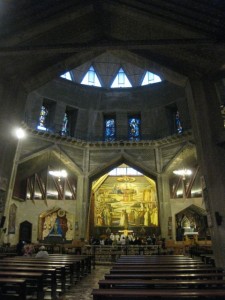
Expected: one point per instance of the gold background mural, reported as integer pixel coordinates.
(126, 201)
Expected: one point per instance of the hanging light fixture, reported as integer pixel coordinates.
(60, 173)
(183, 173)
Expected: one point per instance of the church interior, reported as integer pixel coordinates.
(120, 110)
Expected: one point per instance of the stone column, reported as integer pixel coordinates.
(12, 102)
(208, 128)
(79, 207)
(163, 196)
(83, 197)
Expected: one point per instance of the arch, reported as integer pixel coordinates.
(25, 232)
(124, 158)
(192, 219)
(122, 202)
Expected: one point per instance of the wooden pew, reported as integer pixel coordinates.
(74, 266)
(49, 278)
(13, 288)
(159, 283)
(86, 260)
(151, 294)
(54, 273)
(155, 259)
(150, 270)
(160, 266)
(35, 279)
(148, 262)
(177, 276)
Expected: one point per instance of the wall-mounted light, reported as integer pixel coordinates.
(20, 133)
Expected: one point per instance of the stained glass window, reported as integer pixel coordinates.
(134, 128)
(178, 123)
(42, 118)
(64, 129)
(110, 129)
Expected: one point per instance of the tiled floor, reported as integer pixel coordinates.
(82, 290)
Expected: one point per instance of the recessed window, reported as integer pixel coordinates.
(124, 170)
(46, 116)
(121, 80)
(64, 129)
(134, 124)
(91, 78)
(178, 123)
(42, 118)
(110, 128)
(67, 76)
(69, 122)
(150, 78)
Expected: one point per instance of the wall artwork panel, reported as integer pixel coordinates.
(127, 202)
(56, 223)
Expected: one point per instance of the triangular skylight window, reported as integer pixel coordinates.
(150, 78)
(91, 78)
(121, 80)
(67, 76)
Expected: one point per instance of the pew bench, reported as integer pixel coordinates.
(177, 276)
(85, 260)
(151, 294)
(60, 278)
(150, 270)
(13, 288)
(49, 275)
(159, 263)
(33, 279)
(159, 283)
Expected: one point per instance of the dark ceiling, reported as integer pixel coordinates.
(39, 40)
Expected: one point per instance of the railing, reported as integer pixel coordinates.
(106, 254)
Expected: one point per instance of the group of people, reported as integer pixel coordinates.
(28, 249)
(116, 239)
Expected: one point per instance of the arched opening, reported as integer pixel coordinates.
(123, 202)
(191, 225)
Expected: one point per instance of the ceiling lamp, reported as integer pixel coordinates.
(60, 173)
(183, 173)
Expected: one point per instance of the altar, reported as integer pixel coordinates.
(191, 236)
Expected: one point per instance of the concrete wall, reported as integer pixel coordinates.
(153, 103)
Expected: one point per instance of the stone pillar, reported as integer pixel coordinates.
(163, 196)
(83, 197)
(121, 126)
(79, 208)
(12, 102)
(33, 109)
(208, 128)
(59, 116)
(164, 205)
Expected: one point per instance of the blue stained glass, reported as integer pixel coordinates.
(42, 118)
(134, 128)
(178, 123)
(64, 129)
(110, 130)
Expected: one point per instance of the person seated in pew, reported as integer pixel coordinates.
(42, 253)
